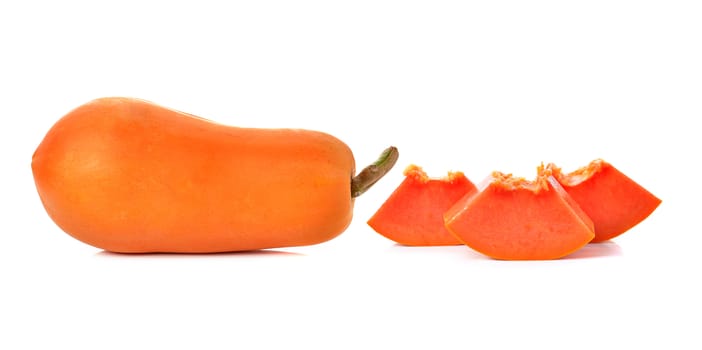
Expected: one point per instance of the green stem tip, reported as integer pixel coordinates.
(372, 173)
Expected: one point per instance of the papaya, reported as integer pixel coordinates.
(613, 201)
(511, 218)
(413, 214)
(130, 176)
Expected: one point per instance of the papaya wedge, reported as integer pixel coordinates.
(413, 214)
(613, 201)
(511, 218)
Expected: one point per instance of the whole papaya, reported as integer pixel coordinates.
(127, 175)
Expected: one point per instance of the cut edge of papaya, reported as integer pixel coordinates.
(545, 171)
(579, 175)
(418, 174)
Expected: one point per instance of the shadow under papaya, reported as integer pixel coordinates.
(238, 254)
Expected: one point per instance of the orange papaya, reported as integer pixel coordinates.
(413, 214)
(511, 218)
(130, 176)
(613, 201)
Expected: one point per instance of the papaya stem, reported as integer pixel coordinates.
(372, 173)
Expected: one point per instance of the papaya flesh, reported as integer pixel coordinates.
(613, 201)
(413, 214)
(511, 218)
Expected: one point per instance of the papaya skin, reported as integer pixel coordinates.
(127, 175)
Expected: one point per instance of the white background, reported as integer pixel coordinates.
(474, 86)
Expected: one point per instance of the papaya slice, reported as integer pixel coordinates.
(613, 201)
(511, 218)
(413, 214)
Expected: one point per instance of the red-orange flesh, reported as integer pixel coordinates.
(613, 201)
(510, 218)
(413, 214)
